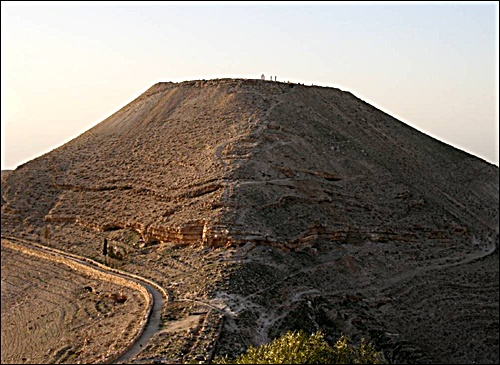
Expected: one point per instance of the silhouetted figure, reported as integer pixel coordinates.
(274, 78)
(262, 77)
(105, 247)
(271, 78)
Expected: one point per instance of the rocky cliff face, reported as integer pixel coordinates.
(386, 225)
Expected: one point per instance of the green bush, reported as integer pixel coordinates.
(297, 347)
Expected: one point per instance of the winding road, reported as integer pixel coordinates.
(158, 296)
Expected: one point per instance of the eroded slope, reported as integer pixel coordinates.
(349, 220)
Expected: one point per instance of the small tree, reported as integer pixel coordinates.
(105, 247)
(300, 348)
(46, 234)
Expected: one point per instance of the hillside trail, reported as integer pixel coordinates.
(441, 264)
(266, 318)
(158, 294)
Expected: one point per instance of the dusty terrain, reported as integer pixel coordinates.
(264, 206)
(52, 313)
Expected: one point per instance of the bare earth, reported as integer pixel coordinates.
(52, 313)
(263, 207)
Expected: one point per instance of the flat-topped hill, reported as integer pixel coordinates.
(227, 161)
(334, 215)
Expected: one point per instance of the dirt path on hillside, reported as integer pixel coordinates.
(266, 318)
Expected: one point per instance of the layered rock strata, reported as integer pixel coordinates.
(229, 161)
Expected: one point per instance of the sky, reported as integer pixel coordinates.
(68, 66)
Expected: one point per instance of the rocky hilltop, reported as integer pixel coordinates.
(326, 213)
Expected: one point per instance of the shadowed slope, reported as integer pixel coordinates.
(325, 159)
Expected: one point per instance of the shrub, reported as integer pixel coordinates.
(297, 347)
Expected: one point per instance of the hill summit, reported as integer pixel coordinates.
(229, 161)
(293, 169)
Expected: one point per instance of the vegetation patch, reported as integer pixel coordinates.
(298, 347)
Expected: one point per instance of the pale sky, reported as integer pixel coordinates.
(67, 67)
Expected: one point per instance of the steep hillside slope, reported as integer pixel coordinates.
(334, 215)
